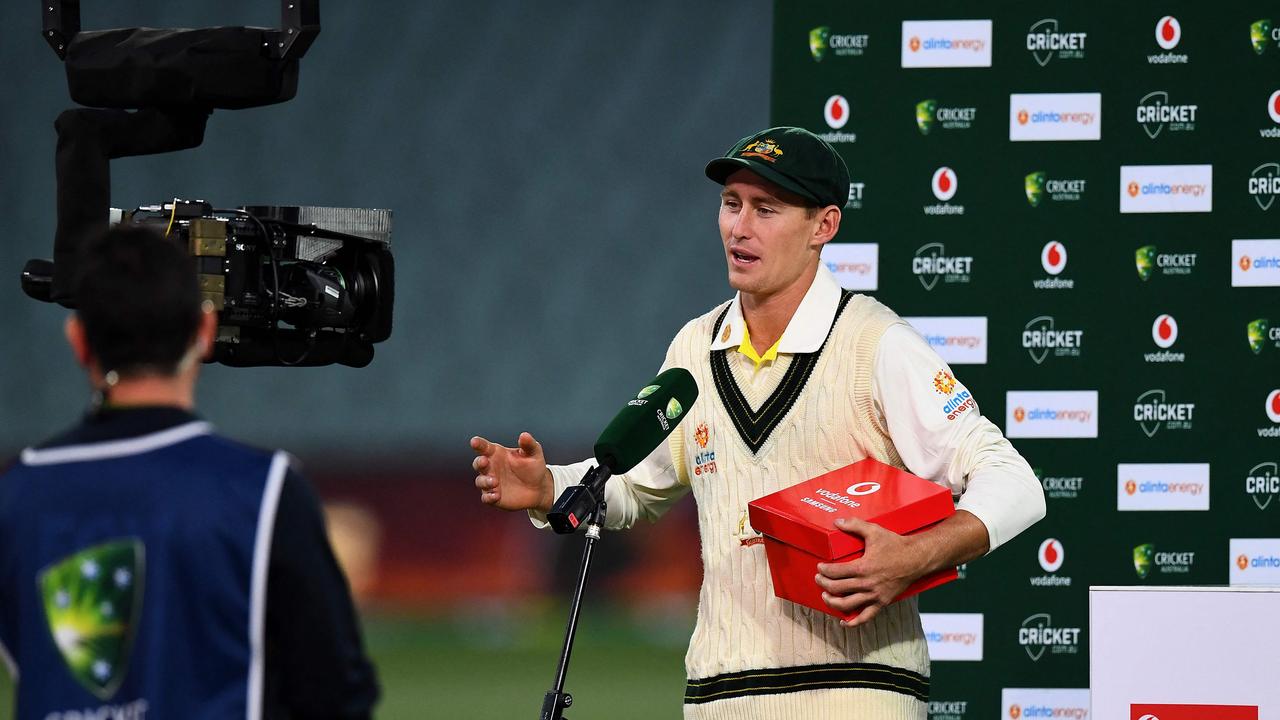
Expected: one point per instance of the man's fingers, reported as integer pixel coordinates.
(481, 446)
(848, 603)
(480, 464)
(838, 571)
(842, 587)
(857, 526)
(490, 497)
(485, 482)
(864, 617)
(528, 446)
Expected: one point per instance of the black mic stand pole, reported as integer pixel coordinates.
(588, 495)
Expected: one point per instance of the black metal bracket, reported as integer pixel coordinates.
(299, 26)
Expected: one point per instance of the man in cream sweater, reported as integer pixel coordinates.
(798, 378)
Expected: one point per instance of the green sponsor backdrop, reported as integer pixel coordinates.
(1004, 232)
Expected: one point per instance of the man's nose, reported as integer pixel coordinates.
(742, 224)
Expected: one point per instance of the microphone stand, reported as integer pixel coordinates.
(579, 505)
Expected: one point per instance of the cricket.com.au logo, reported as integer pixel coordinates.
(1039, 187)
(932, 264)
(1264, 184)
(1262, 483)
(931, 116)
(824, 43)
(1263, 35)
(1041, 338)
(1150, 261)
(1262, 335)
(1146, 559)
(1046, 42)
(854, 201)
(91, 600)
(1152, 411)
(1155, 113)
(1039, 635)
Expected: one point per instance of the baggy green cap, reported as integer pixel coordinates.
(792, 158)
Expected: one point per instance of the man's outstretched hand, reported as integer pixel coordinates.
(513, 478)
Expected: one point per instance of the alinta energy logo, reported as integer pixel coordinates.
(930, 116)
(1051, 556)
(931, 264)
(1053, 258)
(1255, 263)
(1039, 635)
(1046, 41)
(823, 42)
(1261, 335)
(1273, 112)
(1057, 487)
(1150, 261)
(1146, 558)
(1273, 414)
(1264, 184)
(1164, 333)
(1263, 35)
(1041, 338)
(1038, 187)
(1168, 35)
(1262, 483)
(1155, 113)
(944, 184)
(836, 112)
(1153, 411)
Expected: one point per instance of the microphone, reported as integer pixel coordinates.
(642, 424)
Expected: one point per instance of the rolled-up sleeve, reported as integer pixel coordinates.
(940, 434)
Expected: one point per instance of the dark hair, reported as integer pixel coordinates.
(139, 300)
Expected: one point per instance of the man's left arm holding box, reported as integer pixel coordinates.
(940, 435)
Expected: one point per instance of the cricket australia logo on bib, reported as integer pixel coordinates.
(91, 600)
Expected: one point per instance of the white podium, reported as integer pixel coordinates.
(1184, 653)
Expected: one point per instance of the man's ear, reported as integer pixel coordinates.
(74, 330)
(827, 227)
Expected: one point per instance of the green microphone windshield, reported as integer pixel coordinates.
(646, 420)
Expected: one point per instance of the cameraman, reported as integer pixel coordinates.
(150, 568)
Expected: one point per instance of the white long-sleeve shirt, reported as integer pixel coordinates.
(965, 451)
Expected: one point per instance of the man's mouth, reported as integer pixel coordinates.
(741, 257)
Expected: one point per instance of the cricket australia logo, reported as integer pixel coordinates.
(91, 601)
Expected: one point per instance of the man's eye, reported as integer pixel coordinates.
(765, 211)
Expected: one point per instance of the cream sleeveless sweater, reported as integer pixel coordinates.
(753, 655)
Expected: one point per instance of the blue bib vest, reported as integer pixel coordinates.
(133, 576)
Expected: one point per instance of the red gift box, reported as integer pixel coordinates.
(799, 530)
